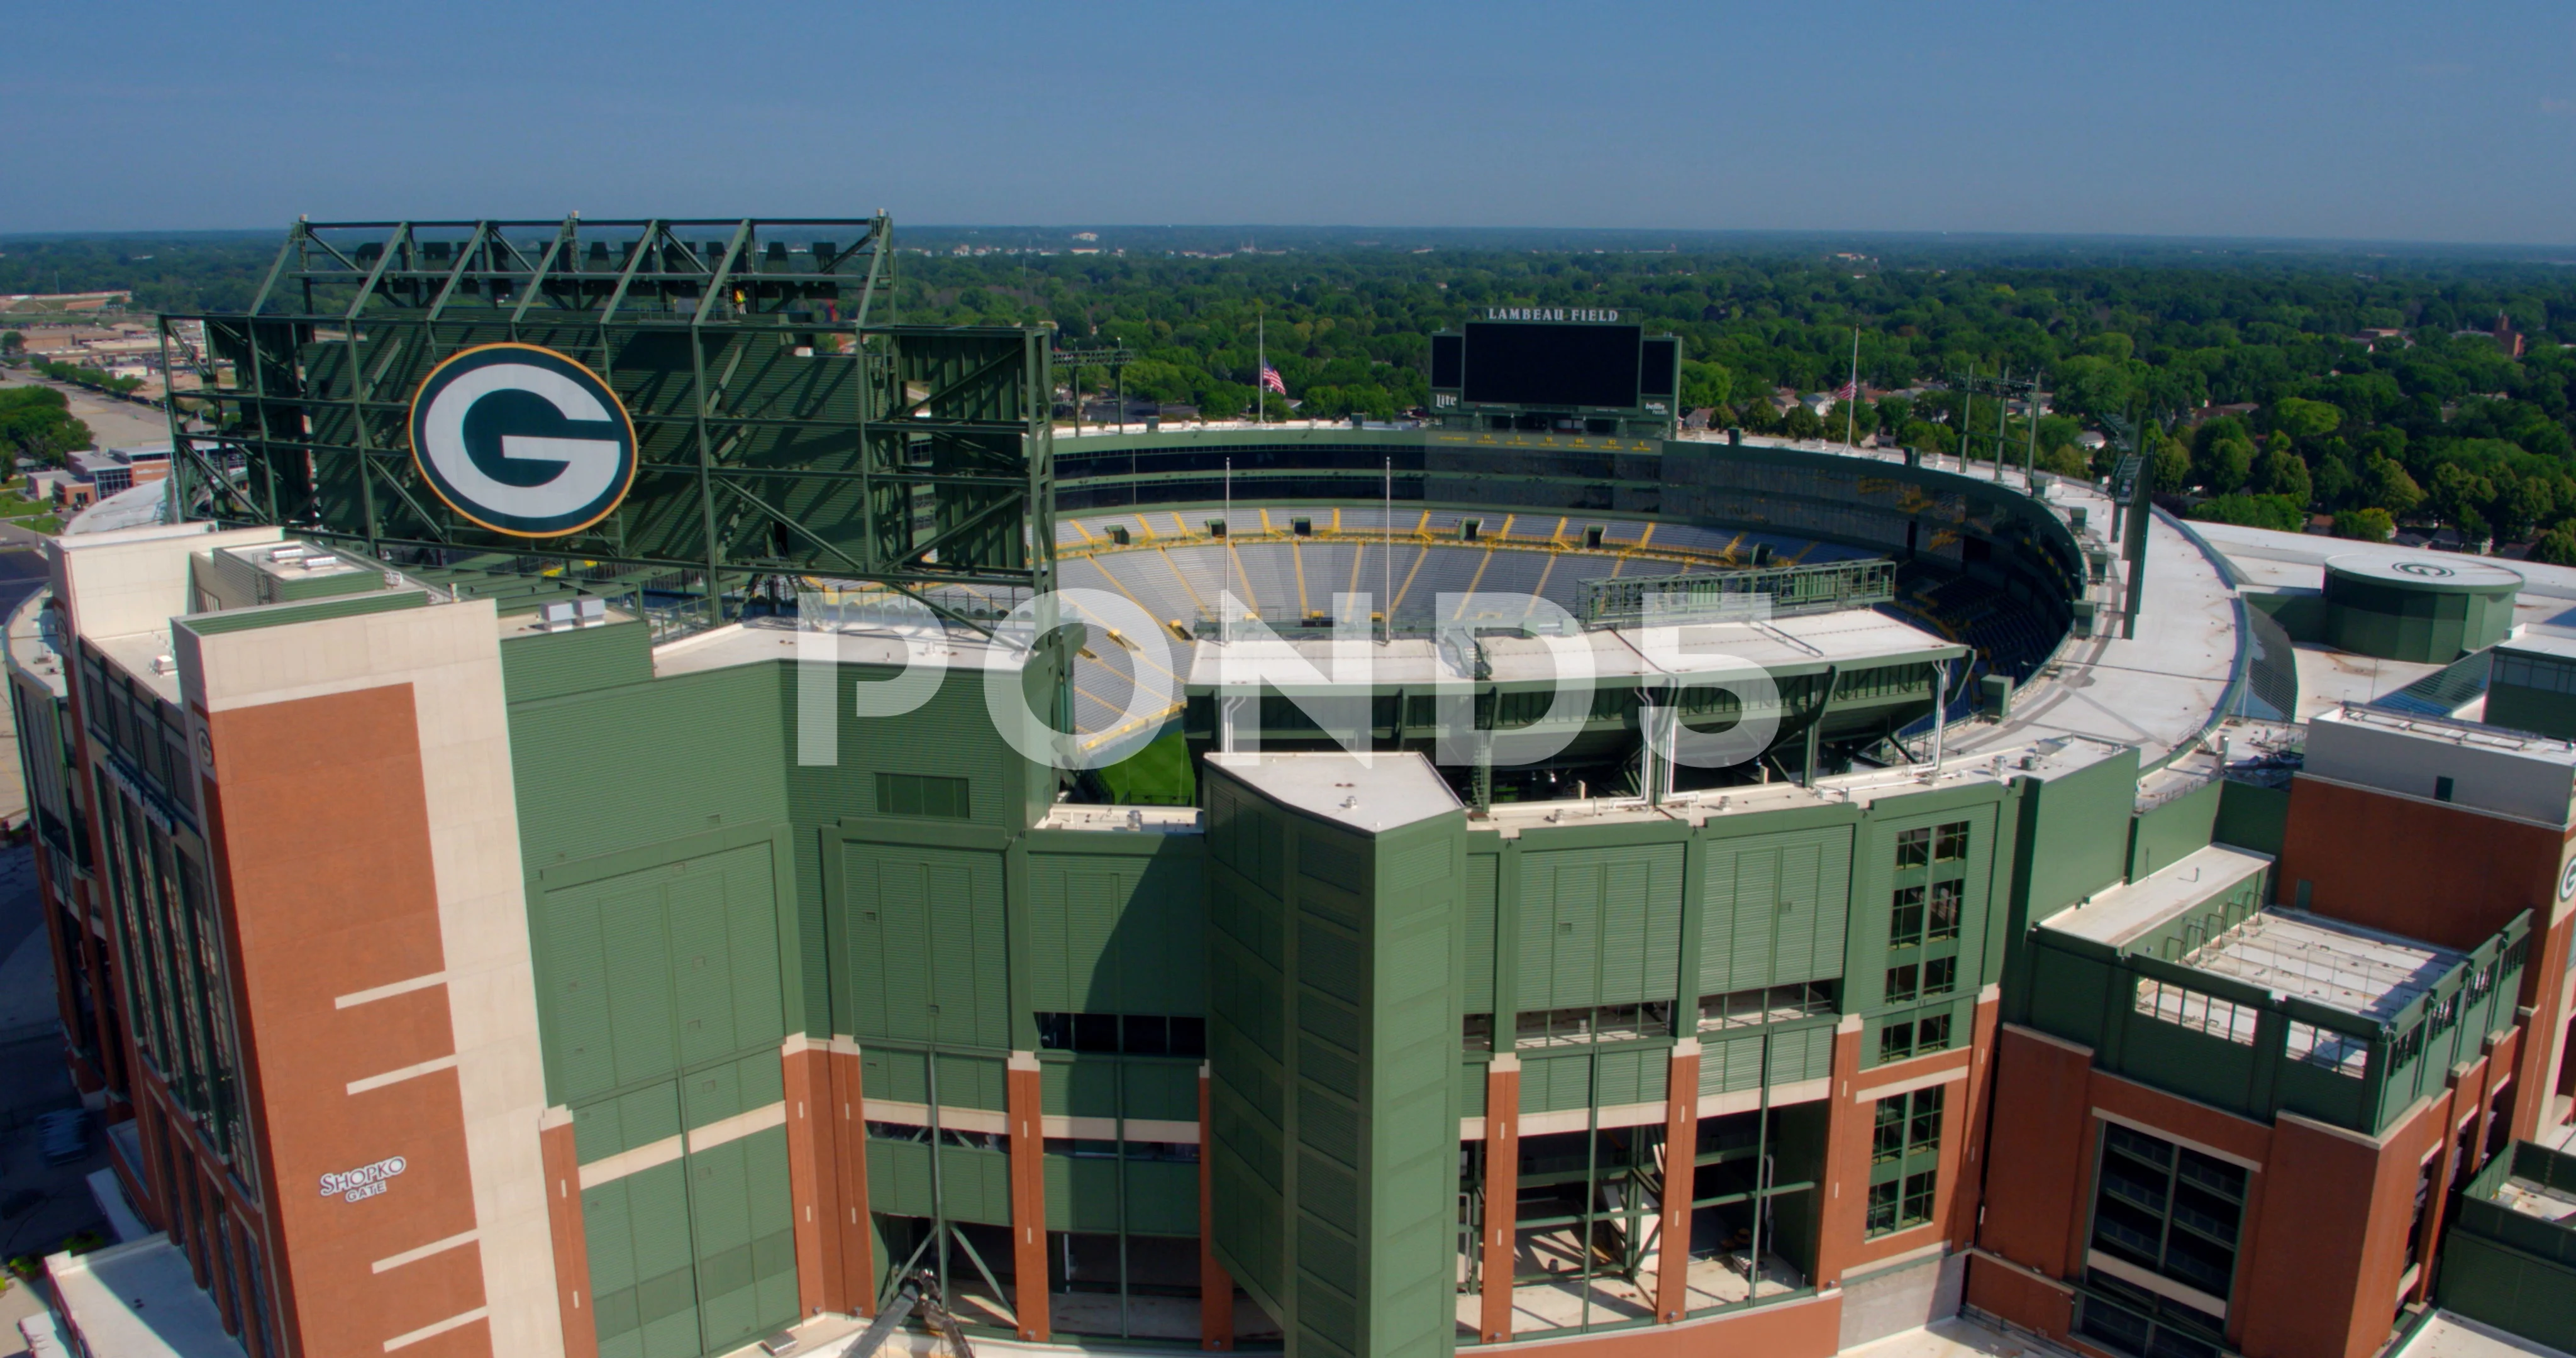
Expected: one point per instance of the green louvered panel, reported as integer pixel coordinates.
(1116, 935)
(1081, 1193)
(1084, 1087)
(1774, 909)
(899, 1177)
(1802, 1054)
(1753, 915)
(1549, 1083)
(894, 1075)
(659, 969)
(1166, 1091)
(1730, 1064)
(977, 1185)
(643, 1280)
(639, 981)
(623, 1122)
(579, 1036)
(744, 1238)
(1471, 1089)
(1631, 1075)
(1483, 872)
(1641, 923)
(1162, 1198)
(729, 1088)
(945, 906)
(972, 1082)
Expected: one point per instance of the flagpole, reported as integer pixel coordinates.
(1261, 368)
(1851, 409)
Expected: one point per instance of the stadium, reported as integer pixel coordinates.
(703, 819)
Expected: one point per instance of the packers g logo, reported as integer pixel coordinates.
(522, 440)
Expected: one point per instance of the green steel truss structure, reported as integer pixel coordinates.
(785, 428)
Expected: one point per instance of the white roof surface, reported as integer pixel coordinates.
(139, 1301)
(2446, 1335)
(1373, 794)
(2360, 971)
(2122, 913)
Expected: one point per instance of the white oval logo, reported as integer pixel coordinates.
(2424, 568)
(2567, 881)
(522, 440)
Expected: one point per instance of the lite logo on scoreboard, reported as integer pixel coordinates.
(522, 440)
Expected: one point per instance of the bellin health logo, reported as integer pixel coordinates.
(522, 440)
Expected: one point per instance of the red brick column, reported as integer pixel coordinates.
(1681, 1163)
(572, 1243)
(1028, 1198)
(1846, 1205)
(850, 1147)
(1966, 1186)
(1216, 1286)
(1502, 1194)
(813, 1175)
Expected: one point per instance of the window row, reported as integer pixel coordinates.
(1925, 980)
(1946, 843)
(1131, 1034)
(2197, 1010)
(1918, 1035)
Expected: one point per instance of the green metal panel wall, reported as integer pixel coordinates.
(1335, 966)
(650, 973)
(2071, 839)
(1118, 933)
(643, 1273)
(2251, 816)
(2173, 830)
(1774, 909)
(926, 952)
(550, 664)
(1598, 926)
(2542, 711)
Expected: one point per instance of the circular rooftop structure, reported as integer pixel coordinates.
(2423, 607)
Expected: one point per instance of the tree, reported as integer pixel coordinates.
(2224, 465)
(2557, 547)
(1705, 384)
(1924, 435)
(2385, 484)
(2282, 474)
(2305, 420)
(36, 422)
(12, 344)
(2277, 512)
(1802, 423)
(2364, 525)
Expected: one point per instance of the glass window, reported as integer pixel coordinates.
(1902, 982)
(1950, 842)
(1946, 897)
(2168, 1208)
(1905, 1159)
(1913, 848)
(1940, 976)
(2204, 1013)
(1905, 917)
(1895, 1041)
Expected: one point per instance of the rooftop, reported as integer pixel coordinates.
(2344, 966)
(2118, 916)
(1373, 794)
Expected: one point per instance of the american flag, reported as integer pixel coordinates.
(1270, 378)
(1848, 391)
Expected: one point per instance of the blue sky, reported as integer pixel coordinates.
(2355, 120)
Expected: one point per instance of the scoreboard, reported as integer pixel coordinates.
(1554, 367)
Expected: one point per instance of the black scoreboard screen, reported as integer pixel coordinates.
(1538, 364)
